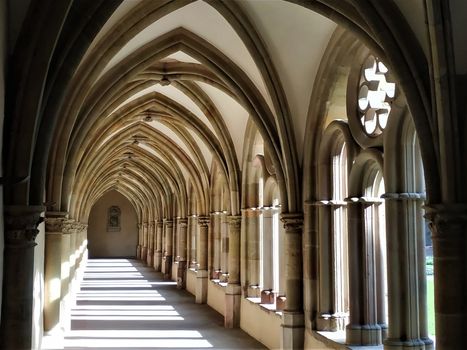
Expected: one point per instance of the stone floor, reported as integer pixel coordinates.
(123, 304)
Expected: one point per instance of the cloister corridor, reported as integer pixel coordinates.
(123, 304)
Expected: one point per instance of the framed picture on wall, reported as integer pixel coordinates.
(113, 219)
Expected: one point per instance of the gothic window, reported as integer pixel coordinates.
(113, 219)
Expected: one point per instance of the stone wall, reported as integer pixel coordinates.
(119, 243)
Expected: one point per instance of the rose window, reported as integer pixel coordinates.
(374, 96)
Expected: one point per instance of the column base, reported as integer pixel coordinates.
(293, 330)
(232, 306)
(412, 344)
(201, 286)
(363, 334)
(181, 274)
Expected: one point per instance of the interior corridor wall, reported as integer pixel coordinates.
(104, 242)
(2, 112)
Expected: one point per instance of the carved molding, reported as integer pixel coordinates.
(293, 222)
(446, 219)
(21, 223)
(54, 225)
(235, 222)
(183, 222)
(203, 221)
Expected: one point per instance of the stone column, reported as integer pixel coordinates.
(182, 253)
(252, 266)
(406, 286)
(293, 321)
(202, 258)
(144, 246)
(158, 247)
(363, 328)
(167, 260)
(21, 229)
(189, 240)
(448, 224)
(53, 271)
(233, 291)
(65, 292)
(150, 253)
(268, 249)
(140, 242)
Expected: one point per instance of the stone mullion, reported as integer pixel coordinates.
(182, 251)
(158, 246)
(21, 229)
(324, 321)
(406, 286)
(251, 220)
(189, 240)
(167, 259)
(140, 242)
(293, 322)
(363, 328)
(202, 258)
(448, 223)
(150, 253)
(233, 291)
(144, 247)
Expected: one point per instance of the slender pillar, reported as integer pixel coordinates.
(202, 258)
(448, 224)
(363, 328)
(53, 272)
(167, 260)
(233, 291)
(406, 287)
(182, 253)
(268, 249)
(140, 242)
(21, 229)
(252, 252)
(150, 253)
(158, 248)
(189, 241)
(293, 321)
(144, 247)
(65, 292)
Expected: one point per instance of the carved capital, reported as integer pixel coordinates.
(235, 222)
(183, 222)
(203, 221)
(446, 219)
(293, 222)
(54, 224)
(21, 223)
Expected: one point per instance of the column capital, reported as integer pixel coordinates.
(235, 220)
(168, 222)
(145, 225)
(159, 223)
(404, 196)
(203, 221)
(182, 222)
(293, 222)
(54, 224)
(21, 224)
(446, 218)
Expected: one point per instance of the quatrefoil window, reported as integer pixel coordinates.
(375, 96)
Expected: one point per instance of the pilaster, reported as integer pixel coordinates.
(158, 246)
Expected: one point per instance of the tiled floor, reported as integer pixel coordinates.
(123, 304)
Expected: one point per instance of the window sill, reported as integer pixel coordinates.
(219, 283)
(265, 307)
